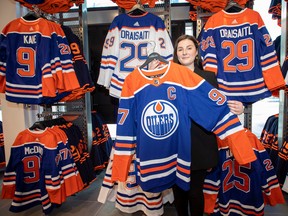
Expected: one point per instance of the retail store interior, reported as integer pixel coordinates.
(93, 20)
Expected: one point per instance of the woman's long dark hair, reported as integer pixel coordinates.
(196, 43)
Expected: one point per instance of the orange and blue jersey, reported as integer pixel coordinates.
(40, 171)
(35, 62)
(239, 49)
(233, 189)
(154, 117)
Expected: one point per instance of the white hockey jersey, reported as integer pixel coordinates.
(129, 197)
(125, 48)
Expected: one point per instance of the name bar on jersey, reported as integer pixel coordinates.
(136, 35)
(235, 33)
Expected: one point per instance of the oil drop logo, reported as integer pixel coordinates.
(159, 119)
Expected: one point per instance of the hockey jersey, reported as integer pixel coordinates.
(35, 61)
(282, 163)
(129, 196)
(154, 118)
(101, 144)
(80, 66)
(125, 47)
(233, 189)
(40, 171)
(239, 49)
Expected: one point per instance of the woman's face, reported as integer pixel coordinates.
(186, 52)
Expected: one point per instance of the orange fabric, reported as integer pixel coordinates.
(53, 6)
(121, 173)
(274, 79)
(240, 146)
(128, 4)
(210, 201)
(214, 5)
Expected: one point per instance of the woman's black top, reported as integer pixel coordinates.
(204, 144)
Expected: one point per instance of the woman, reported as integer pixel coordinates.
(204, 145)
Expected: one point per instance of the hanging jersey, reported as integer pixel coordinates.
(275, 10)
(25, 64)
(129, 196)
(67, 80)
(79, 152)
(233, 189)
(282, 163)
(268, 135)
(32, 163)
(35, 61)
(80, 66)
(128, 4)
(154, 119)
(270, 142)
(239, 49)
(125, 48)
(102, 142)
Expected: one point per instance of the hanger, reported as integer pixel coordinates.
(151, 57)
(137, 9)
(31, 15)
(233, 7)
(38, 125)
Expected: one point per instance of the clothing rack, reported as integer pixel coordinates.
(77, 21)
(283, 94)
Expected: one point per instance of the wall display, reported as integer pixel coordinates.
(40, 171)
(49, 162)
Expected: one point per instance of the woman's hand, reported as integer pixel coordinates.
(154, 64)
(236, 107)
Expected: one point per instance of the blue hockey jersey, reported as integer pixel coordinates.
(154, 118)
(239, 49)
(40, 171)
(35, 61)
(232, 189)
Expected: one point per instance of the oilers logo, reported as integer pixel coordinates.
(159, 119)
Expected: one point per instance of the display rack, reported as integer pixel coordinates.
(283, 94)
(76, 19)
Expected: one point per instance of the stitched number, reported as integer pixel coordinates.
(124, 113)
(243, 50)
(109, 42)
(236, 176)
(162, 43)
(64, 49)
(75, 48)
(268, 40)
(215, 95)
(268, 164)
(31, 166)
(136, 52)
(26, 59)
